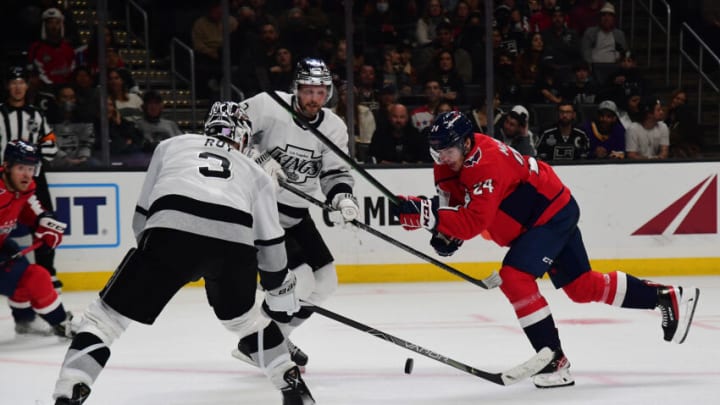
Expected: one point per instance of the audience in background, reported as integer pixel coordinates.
(53, 57)
(565, 141)
(400, 142)
(605, 133)
(74, 135)
(128, 104)
(152, 125)
(421, 117)
(685, 136)
(514, 131)
(649, 138)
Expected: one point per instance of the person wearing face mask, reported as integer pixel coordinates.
(75, 138)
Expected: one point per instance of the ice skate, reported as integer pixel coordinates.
(66, 328)
(79, 395)
(677, 305)
(242, 352)
(556, 374)
(296, 392)
(297, 355)
(36, 327)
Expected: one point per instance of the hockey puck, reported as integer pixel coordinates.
(408, 365)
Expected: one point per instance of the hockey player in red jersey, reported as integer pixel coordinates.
(487, 188)
(28, 286)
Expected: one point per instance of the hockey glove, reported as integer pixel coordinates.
(50, 231)
(283, 298)
(417, 212)
(270, 165)
(444, 245)
(345, 208)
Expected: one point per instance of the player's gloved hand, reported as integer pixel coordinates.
(345, 207)
(270, 165)
(283, 298)
(444, 245)
(50, 230)
(416, 212)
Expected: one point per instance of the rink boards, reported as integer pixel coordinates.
(649, 219)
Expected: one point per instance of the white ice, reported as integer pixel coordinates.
(617, 355)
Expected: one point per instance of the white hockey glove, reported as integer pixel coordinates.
(283, 298)
(270, 165)
(345, 208)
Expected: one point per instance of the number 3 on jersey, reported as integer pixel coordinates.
(223, 171)
(483, 185)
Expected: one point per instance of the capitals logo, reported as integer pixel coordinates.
(298, 163)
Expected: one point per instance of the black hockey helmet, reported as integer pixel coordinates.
(21, 152)
(312, 72)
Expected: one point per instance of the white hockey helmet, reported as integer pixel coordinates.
(312, 72)
(228, 120)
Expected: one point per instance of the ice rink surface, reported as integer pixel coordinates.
(617, 355)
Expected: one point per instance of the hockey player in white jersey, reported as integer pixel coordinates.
(288, 150)
(205, 210)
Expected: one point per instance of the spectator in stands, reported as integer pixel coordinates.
(649, 138)
(364, 122)
(129, 105)
(402, 143)
(88, 54)
(630, 111)
(378, 27)
(86, 94)
(406, 65)
(542, 20)
(627, 79)
(387, 97)
(40, 94)
(685, 135)
(604, 43)
(505, 80)
(585, 14)
(583, 89)
(367, 88)
(565, 141)
(126, 141)
(298, 31)
(605, 133)
(461, 58)
(459, 17)
(338, 63)
(391, 71)
(472, 39)
(514, 131)
(531, 60)
(547, 89)
(421, 117)
(562, 44)
(444, 106)
(75, 137)
(426, 26)
(152, 125)
(479, 118)
(207, 41)
(53, 57)
(281, 74)
(444, 72)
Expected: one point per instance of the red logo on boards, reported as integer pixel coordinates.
(696, 210)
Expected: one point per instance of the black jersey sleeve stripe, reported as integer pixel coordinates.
(292, 212)
(201, 209)
(140, 210)
(269, 242)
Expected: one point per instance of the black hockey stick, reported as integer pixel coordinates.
(491, 281)
(508, 377)
(22, 253)
(339, 152)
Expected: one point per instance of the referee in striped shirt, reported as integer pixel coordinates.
(19, 120)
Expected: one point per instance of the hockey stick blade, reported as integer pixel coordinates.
(509, 377)
(491, 281)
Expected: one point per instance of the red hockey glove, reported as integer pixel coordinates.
(444, 245)
(50, 231)
(416, 212)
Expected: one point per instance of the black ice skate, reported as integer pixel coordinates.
(35, 327)
(65, 328)
(296, 392)
(242, 352)
(556, 374)
(79, 395)
(297, 356)
(677, 305)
